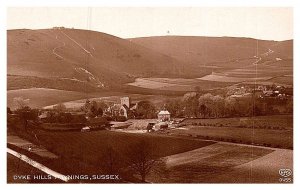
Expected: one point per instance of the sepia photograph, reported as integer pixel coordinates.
(151, 95)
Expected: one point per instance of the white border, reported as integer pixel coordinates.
(147, 3)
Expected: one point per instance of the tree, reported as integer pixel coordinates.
(102, 105)
(190, 101)
(99, 112)
(20, 102)
(26, 114)
(218, 105)
(94, 109)
(230, 106)
(206, 104)
(244, 106)
(210, 105)
(175, 107)
(146, 110)
(60, 107)
(141, 159)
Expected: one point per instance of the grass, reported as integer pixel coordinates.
(288, 80)
(262, 137)
(206, 168)
(158, 100)
(15, 82)
(176, 84)
(230, 79)
(271, 122)
(87, 148)
(40, 97)
(16, 167)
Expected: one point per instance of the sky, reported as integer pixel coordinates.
(261, 23)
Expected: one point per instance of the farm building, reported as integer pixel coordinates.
(164, 115)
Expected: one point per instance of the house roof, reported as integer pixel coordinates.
(164, 112)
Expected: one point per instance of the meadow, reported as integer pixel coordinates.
(208, 163)
(177, 84)
(87, 149)
(260, 137)
(40, 97)
(270, 122)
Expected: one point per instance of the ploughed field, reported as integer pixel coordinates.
(225, 163)
(86, 150)
(185, 159)
(261, 72)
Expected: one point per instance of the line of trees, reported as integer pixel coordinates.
(213, 106)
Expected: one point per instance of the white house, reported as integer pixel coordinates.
(164, 115)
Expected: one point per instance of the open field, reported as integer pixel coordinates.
(97, 140)
(115, 98)
(262, 137)
(176, 84)
(40, 97)
(223, 78)
(272, 121)
(88, 148)
(286, 79)
(262, 170)
(226, 163)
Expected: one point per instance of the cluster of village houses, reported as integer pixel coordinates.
(125, 108)
(263, 91)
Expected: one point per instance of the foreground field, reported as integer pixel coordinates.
(16, 167)
(226, 163)
(262, 170)
(185, 159)
(87, 149)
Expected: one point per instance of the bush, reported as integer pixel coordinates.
(121, 118)
(108, 118)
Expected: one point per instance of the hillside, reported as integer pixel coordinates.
(89, 61)
(84, 56)
(215, 51)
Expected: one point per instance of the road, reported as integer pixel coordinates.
(77, 43)
(54, 49)
(26, 145)
(37, 165)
